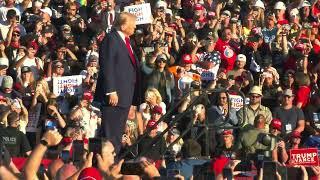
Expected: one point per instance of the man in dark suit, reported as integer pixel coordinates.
(108, 14)
(118, 81)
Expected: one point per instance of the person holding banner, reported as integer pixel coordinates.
(118, 80)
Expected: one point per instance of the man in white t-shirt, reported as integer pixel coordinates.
(11, 22)
(4, 9)
(31, 60)
(88, 116)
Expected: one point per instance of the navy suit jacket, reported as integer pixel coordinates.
(117, 71)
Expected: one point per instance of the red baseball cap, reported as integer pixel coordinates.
(173, 26)
(87, 95)
(198, 7)
(90, 174)
(299, 47)
(227, 132)
(186, 59)
(295, 134)
(276, 124)
(315, 25)
(33, 45)
(151, 124)
(3, 98)
(16, 29)
(157, 109)
(211, 14)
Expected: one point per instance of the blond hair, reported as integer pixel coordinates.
(31, 80)
(123, 19)
(45, 85)
(153, 92)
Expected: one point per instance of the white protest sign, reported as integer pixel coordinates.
(206, 75)
(184, 83)
(33, 118)
(142, 11)
(67, 84)
(236, 101)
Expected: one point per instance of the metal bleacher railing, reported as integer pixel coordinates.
(174, 118)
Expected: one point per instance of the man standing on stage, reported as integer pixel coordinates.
(118, 81)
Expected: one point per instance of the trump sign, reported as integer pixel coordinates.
(305, 157)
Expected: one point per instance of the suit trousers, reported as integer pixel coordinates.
(113, 124)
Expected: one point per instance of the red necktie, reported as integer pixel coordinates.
(133, 59)
(110, 18)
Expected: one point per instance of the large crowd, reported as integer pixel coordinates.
(226, 86)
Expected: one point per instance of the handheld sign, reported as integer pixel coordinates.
(236, 101)
(67, 84)
(33, 118)
(142, 12)
(305, 157)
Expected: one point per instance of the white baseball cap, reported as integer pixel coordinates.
(227, 13)
(280, 5)
(259, 4)
(241, 57)
(47, 10)
(168, 11)
(288, 92)
(160, 4)
(305, 3)
(294, 12)
(37, 3)
(4, 61)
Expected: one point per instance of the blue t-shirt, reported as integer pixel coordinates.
(269, 34)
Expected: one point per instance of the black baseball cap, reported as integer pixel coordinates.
(25, 69)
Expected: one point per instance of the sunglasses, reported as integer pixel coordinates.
(92, 64)
(255, 97)
(16, 34)
(161, 61)
(161, 9)
(59, 67)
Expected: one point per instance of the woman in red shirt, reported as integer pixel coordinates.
(303, 91)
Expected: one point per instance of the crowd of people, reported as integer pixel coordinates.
(233, 80)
